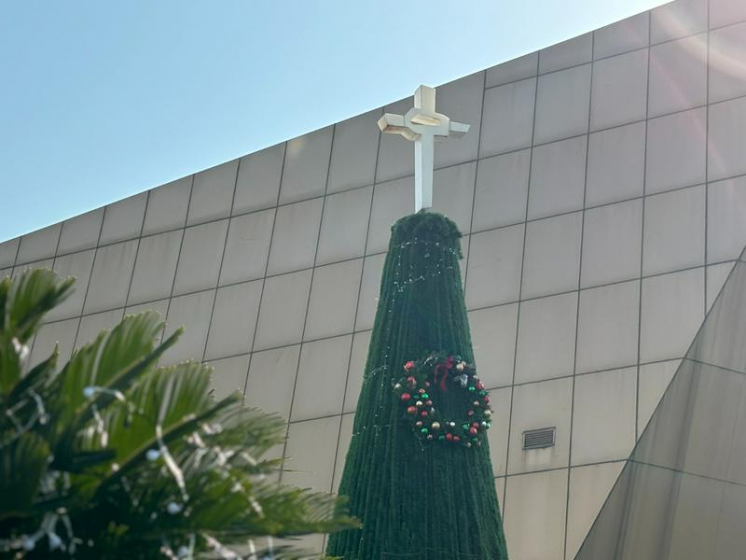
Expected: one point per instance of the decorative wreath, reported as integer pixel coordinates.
(441, 373)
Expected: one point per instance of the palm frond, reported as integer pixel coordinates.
(19, 487)
(28, 298)
(97, 375)
(23, 303)
(133, 459)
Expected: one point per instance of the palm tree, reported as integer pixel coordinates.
(111, 456)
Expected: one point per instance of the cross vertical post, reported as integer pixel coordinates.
(423, 126)
(424, 161)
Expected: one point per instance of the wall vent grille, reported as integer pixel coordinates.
(539, 439)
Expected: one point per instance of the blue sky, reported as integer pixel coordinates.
(102, 100)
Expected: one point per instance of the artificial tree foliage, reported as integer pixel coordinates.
(417, 501)
(111, 456)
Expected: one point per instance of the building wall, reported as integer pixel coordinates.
(602, 195)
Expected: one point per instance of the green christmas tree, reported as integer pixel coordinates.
(418, 471)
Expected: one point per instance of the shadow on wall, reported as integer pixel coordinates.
(682, 493)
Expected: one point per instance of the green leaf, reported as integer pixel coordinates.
(34, 378)
(105, 367)
(24, 302)
(176, 399)
(31, 296)
(81, 460)
(5, 285)
(22, 464)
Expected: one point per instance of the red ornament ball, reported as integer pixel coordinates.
(449, 437)
(423, 413)
(456, 439)
(486, 398)
(473, 431)
(418, 423)
(480, 385)
(411, 410)
(409, 365)
(405, 396)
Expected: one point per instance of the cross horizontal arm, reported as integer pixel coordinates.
(395, 124)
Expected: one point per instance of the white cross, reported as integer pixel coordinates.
(423, 125)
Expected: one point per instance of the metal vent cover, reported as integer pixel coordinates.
(539, 439)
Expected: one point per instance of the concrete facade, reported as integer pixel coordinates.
(602, 195)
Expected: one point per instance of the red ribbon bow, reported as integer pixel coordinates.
(444, 368)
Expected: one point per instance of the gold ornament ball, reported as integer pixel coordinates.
(397, 386)
(419, 404)
(436, 426)
(488, 413)
(460, 366)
